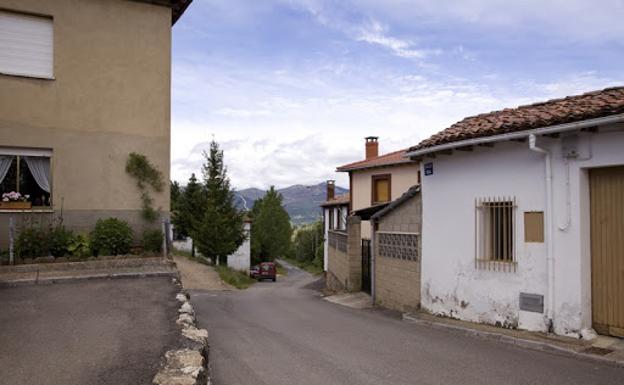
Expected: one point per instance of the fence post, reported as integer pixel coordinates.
(11, 240)
(164, 239)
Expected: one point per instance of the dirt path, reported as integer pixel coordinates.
(197, 276)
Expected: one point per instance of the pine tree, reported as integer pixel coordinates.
(190, 208)
(220, 231)
(271, 230)
(175, 195)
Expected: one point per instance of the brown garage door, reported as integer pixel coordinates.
(607, 249)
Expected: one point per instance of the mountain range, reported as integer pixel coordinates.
(301, 202)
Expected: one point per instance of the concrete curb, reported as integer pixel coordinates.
(70, 278)
(521, 342)
(189, 364)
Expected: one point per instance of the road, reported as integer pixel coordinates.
(283, 333)
(93, 332)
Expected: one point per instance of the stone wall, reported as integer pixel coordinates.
(345, 264)
(397, 257)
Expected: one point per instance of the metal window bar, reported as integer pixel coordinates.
(495, 219)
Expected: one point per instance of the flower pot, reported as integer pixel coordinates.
(15, 205)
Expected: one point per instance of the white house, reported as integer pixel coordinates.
(523, 216)
(335, 212)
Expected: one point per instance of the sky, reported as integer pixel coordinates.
(290, 88)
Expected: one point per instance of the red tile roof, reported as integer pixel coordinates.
(342, 199)
(596, 104)
(389, 159)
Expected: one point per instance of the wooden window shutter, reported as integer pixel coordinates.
(534, 226)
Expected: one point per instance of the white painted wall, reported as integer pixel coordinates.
(338, 211)
(241, 259)
(451, 285)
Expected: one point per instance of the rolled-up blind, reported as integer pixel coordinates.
(26, 45)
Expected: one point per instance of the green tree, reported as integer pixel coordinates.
(271, 230)
(190, 208)
(220, 231)
(308, 243)
(175, 195)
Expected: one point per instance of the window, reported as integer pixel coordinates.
(342, 218)
(381, 188)
(495, 229)
(26, 45)
(28, 175)
(331, 218)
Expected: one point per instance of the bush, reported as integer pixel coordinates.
(152, 240)
(59, 239)
(33, 242)
(111, 237)
(43, 241)
(80, 246)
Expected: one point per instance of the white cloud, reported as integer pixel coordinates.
(375, 33)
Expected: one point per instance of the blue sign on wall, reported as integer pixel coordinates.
(429, 168)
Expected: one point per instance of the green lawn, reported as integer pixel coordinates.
(235, 278)
(307, 266)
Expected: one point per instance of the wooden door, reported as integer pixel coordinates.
(607, 249)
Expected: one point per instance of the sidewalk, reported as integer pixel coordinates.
(603, 348)
(91, 269)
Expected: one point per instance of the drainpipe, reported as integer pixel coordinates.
(550, 258)
(372, 258)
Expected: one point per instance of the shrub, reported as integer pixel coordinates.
(80, 246)
(59, 239)
(33, 242)
(152, 240)
(111, 237)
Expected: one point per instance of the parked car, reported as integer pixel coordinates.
(265, 270)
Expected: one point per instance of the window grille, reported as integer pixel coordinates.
(495, 222)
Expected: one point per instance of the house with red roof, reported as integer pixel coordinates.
(523, 216)
(374, 183)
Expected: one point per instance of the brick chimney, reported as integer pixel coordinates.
(331, 189)
(372, 147)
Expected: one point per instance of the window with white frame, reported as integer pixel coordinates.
(25, 177)
(26, 45)
(342, 218)
(495, 222)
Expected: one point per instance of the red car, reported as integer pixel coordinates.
(265, 270)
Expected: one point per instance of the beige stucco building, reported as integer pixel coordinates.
(82, 85)
(379, 179)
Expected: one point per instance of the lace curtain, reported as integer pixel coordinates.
(40, 169)
(5, 164)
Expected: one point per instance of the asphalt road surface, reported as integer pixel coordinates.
(283, 333)
(98, 332)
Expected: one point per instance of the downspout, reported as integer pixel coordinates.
(372, 258)
(550, 258)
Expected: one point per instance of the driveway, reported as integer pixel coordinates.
(86, 332)
(283, 333)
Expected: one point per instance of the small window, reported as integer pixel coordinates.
(26, 179)
(495, 240)
(26, 45)
(381, 188)
(342, 219)
(331, 218)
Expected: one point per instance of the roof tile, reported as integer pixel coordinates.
(590, 105)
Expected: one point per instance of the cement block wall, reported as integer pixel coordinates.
(397, 281)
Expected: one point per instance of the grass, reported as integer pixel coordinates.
(281, 270)
(235, 278)
(307, 266)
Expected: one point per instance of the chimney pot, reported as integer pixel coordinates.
(372, 147)
(331, 189)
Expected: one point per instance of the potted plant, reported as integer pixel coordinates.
(15, 201)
